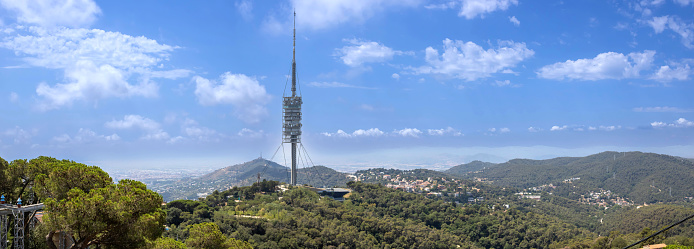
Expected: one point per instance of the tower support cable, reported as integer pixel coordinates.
(659, 232)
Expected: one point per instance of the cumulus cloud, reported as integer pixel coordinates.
(514, 20)
(559, 128)
(373, 132)
(408, 132)
(679, 123)
(677, 72)
(660, 109)
(133, 122)
(52, 13)
(396, 76)
(97, 64)
(447, 131)
(243, 92)
(473, 8)
(608, 65)
(677, 25)
(469, 61)
(534, 129)
(362, 51)
(151, 128)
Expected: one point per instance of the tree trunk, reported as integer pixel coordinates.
(49, 240)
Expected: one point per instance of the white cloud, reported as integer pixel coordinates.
(193, 130)
(85, 135)
(448, 131)
(502, 83)
(685, 2)
(156, 135)
(558, 128)
(91, 82)
(373, 132)
(396, 76)
(408, 132)
(609, 128)
(659, 23)
(499, 130)
(320, 14)
(97, 64)
(52, 13)
(677, 72)
(473, 8)
(336, 85)
(660, 109)
(677, 25)
(608, 65)
(658, 124)
(245, 132)
(62, 138)
(133, 122)
(361, 52)
(514, 20)
(245, 9)
(243, 92)
(20, 135)
(469, 61)
(679, 123)
(151, 128)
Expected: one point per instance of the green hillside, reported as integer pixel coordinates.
(633, 220)
(470, 167)
(641, 177)
(245, 174)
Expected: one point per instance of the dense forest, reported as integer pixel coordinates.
(641, 177)
(92, 210)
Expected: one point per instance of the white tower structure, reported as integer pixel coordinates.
(291, 111)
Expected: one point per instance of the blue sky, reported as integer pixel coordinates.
(387, 83)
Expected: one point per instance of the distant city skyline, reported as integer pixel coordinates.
(385, 83)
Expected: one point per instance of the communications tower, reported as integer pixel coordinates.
(291, 111)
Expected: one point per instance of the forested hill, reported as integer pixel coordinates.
(642, 177)
(467, 168)
(246, 174)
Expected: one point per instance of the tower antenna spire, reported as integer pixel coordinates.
(294, 59)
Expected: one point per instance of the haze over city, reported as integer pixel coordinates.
(132, 84)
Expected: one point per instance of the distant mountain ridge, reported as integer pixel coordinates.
(642, 177)
(467, 168)
(245, 174)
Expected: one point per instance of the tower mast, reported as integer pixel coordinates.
(291, 129)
